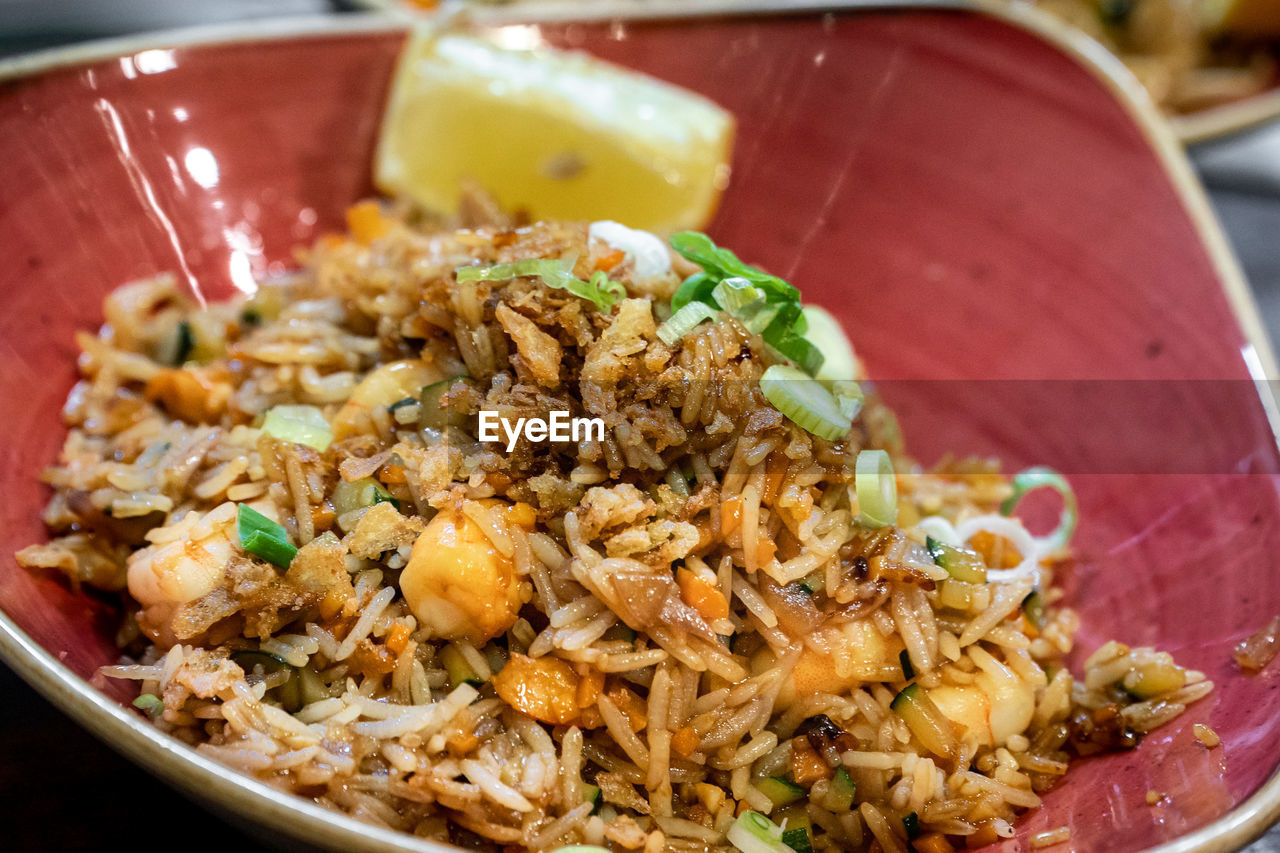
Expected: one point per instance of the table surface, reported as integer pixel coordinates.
(44, 756)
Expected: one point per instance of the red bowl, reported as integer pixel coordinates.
(1013, 240)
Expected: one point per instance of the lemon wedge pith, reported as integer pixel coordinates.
(560, 135)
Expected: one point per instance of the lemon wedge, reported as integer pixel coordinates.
(1247, 18)
(558, 134)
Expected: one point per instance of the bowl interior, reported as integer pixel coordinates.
(992, 225)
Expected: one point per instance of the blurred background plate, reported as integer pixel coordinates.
(973, 202)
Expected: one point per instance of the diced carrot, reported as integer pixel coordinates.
(986, 834)
(522, 515)
(373, 659)
(685, 741)
(997, 551)
(322, 517)
(933, 842)
(730, 515)
(366, 222)
(331, 241)
(765, 549)
(195, 395)
(611, 259)
(702, 595)
(398, 638)
(392, 474)
(462, 741)
(589, 689)
(807, 766)
(774, 471)
(631, 706)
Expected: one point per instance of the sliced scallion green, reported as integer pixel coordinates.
(683, 321)
(299, 425)
(736, 294)
(781, 334)
(263, 537)
(1039, 477)
(848, 394)
(695, 288)
(276, 551)
(752, 832)
(554, 272)
(722, 263)
(151, 703)
(803, 399)
(877, 488)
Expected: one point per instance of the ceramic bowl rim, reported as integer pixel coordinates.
(208, 780)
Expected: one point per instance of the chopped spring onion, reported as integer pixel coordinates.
(554, 272)
(803, 399)
(752, 832)
(683, 321)
(696, 288)
(1041, 477)
(877, 488)
(736, 294)
(151, 703)
(300, 425)
(722, 263)
(263, 537)
(826, 334)
(798, 349)
(783, 335)
(848, 394)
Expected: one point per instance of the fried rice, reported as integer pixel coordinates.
(634, 642)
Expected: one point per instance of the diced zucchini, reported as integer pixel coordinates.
(908, 671)
(591, 794)
(311, 687)
(926, 722)
(798, 839)
(289, 694)
(459, 670)
(405, 411)
(360, 494)
(780, 791)
(1033, 608)
(911, 823)
(434, 415)
(810, 584)
(1151, 680)
(955, 594)
(620, 632)
(840, 795)
(961, 563)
